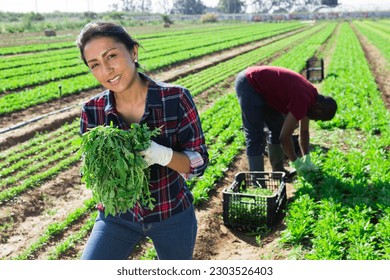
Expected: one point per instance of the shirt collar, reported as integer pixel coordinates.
(153, 97)
(110, 105)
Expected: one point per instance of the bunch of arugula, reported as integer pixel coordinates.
(114, 169)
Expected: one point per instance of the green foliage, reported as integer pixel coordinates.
(34, 17)
(209, 17)
(342, 212)
(37, 154)
(114, 169)
(166, 19)
(296, 58)
(162, 51)
(300, 221)
(231, 6)
(189, 7)
(90, 15)
(115, 16)
(150, 253)
(352, 84)
(378, 33)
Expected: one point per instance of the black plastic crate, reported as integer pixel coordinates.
(315, 69)
(255, 199)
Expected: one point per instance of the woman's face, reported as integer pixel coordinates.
(111, 63)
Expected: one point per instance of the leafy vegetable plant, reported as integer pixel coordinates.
(114, 169)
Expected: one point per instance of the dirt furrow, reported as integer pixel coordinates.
(379, 66)
(30, 213)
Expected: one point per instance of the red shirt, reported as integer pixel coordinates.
(283, 89)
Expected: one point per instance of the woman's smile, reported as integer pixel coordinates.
(115, 80)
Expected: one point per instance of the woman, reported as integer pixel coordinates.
(177, 154)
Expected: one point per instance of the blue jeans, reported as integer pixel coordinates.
(255, 114)
(114, 238)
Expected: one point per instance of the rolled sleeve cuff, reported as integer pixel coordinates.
(196, 160)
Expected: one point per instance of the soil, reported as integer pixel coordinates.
(379, 66)
(28, 215)
(215, 241)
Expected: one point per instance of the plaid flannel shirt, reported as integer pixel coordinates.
(171, 108)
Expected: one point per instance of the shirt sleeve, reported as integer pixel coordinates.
(196, 160)
(83, 121)
(191, 136)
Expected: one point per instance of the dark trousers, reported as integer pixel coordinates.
(256, 114)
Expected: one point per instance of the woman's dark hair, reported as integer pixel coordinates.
(95, 30)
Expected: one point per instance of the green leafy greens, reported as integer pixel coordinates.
(114, 169)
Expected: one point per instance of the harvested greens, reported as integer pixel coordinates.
(114, 169)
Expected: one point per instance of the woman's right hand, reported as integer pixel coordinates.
(157, 154)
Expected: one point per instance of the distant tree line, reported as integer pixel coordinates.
(191, 7)
(125, 10)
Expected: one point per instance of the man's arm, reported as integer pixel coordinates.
(289, 125)
(304, 135)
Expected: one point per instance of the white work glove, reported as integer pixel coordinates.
(310, 165)
(157, 154)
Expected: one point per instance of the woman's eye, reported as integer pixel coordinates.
(93, 66)
(111, 56)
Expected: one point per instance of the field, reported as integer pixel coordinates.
(341, 213)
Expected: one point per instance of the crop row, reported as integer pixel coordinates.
(50, 56)
(21, 72)
(34, 48)
(34, 59)
(382, 25)
(157, 46)
(228, 68)
(218, 137)
(33, 79)
(44, 156)
(26, 98)
(296, 60)
(199, 82)
(330, 213)
(172, 50)
(360, 104)
(54, 46)
(198, 46)
(376, 36)
(343, 212)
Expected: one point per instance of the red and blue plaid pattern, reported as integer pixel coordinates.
(171, 108)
